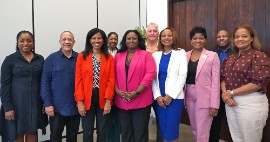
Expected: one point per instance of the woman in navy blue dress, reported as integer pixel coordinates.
(168, 86)
(22, 106)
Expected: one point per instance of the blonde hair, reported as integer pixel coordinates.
(255, 44)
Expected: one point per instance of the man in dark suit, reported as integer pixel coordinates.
(223, 50)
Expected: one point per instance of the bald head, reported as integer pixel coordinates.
(67, 32)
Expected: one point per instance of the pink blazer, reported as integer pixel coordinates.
(142, 70)
(207, 79)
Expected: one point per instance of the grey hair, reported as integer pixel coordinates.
(152, 23)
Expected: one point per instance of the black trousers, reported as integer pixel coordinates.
(216, 124)
(88, 121)
(57, 124)
(113, 128)
(134, 124)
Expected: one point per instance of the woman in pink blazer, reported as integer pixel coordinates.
(135, 69)
(202, 96)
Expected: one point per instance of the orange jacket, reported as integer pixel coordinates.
(84, 80)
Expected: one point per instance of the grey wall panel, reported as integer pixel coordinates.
(118, 15)
(53, 17)
(15, 15)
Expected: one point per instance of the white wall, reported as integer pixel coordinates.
(55, 16)
(157, 12)
(52, 17)
(120, 17)
(15, 15)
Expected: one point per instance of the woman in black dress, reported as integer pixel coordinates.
(20, 91)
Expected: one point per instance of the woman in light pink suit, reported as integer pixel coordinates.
(202, 95)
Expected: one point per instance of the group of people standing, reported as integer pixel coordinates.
(115, 89)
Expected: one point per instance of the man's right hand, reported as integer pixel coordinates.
(49, 110)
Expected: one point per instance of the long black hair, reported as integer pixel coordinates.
(89, 47)
(140, 39)
(25, 32)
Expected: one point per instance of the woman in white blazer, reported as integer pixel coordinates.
(168, 86)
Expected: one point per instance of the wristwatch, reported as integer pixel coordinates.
(232, 93)
(137, 92)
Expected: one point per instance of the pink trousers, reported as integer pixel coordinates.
(200, 119)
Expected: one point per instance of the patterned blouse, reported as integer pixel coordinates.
(250, 66)
(96, 70)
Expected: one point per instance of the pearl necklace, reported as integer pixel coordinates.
(167, 52)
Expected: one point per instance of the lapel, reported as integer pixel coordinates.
(103, 63)
(135, 59)
(171, 61)
(157, 59)
(188, 55)
(89, 64)
(203, 57)
(121, 65)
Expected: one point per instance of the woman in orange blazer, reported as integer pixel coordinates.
(94, 84)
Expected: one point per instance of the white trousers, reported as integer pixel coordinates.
(247, 120)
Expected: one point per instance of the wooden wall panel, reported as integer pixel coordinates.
(260, 20)
(194, 13)
(182, 24)
(215, 15)
(210, 22)
(189, 22)
(266, 47)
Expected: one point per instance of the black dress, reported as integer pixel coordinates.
(20, 91)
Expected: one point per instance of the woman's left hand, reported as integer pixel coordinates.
(225, 96)
(213, 112)
(107, 107)
(131, 95)
(167, 100)
(230, 102)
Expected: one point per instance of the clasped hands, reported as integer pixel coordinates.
(228, 99)
(127, 96)
(164, 101)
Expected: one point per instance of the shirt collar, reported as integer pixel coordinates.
(62, 54)
(247, 51)
(228, 49)
(19, 55)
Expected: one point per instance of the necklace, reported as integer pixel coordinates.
(148, 49)
(167, 52)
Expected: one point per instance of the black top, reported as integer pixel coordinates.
(127, 67)
(191, 74)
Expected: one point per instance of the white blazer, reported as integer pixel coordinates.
(176, 74)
